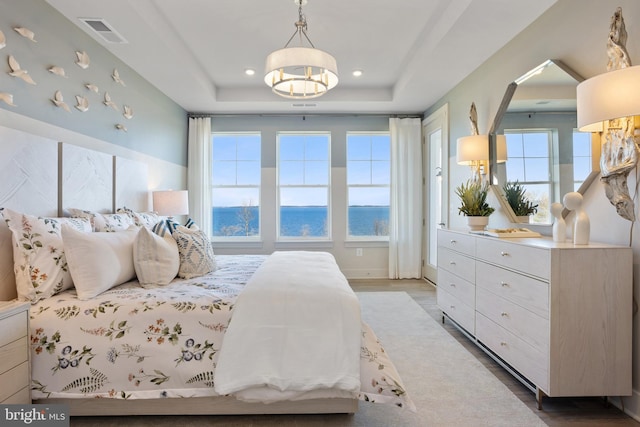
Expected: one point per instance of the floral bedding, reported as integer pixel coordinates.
(139, 343)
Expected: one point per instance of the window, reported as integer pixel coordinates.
(368, 177)
(303, 185)
(235, 181)
(530, 164)
(581, 157)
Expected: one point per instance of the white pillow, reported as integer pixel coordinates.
(39, 261)
(104, 222)
(196, 252)
(155, 258)
(99, 261)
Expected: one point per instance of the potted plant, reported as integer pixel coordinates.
(473, 199)
(516, 196)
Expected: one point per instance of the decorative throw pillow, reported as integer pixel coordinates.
(141, 219)
(104, 222)
(196, 252)
(173, 224)
(99, 261)
(155, 256)
(40, 263)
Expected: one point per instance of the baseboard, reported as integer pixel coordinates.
(366, 273)
(630, 405)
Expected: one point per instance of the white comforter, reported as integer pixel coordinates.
(300, 333)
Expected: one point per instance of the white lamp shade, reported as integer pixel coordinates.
(171, 203)
(608, 96)
(471, 149)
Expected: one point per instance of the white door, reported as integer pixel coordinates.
(435, 154)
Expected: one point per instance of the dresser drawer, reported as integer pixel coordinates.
(522, 290)
(527, 259)
(463, 290)
(457, 310)
(523, 357)
(13, 327)
(22, 397)
(14, 380)
(464, 243)
(458, 264)
(528, 326)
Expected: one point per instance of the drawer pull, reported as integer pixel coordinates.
(452, 263)
(503, 253)
(453, 242)
(504, 284)
(503, 343)
(504, 314)
(453, 285)
(452, 307)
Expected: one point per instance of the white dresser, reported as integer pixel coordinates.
(557, 315)
(15, 380)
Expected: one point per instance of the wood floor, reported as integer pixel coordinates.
(556, 412)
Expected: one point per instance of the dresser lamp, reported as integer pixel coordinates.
(171, 203)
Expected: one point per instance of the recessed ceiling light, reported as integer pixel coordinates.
(357, 73)
(249, 71)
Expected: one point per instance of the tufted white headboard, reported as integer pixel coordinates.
(41, 176)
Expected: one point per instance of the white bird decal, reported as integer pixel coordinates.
(121, 127)
(83, 59)
(58, 71)
(92, 88)
(7, 98)
(108, 102)
(16, 71)
(3, 40)
(116, 77)
(128, 112)
(27, 33)
(83, 104)
(59, 101)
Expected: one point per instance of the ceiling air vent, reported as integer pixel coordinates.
(302, 105)
(104, 30)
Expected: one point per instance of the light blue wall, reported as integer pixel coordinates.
(159, 125)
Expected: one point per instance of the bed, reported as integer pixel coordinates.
(136, 348)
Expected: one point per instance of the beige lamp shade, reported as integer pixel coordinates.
(501, 148)
(472, 149)
(608, 96)
(171, 203)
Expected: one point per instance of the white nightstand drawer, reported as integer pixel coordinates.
(22, 397)
(14, 380)
(459, 242)
(13, 327)
(522, 290)
(13, 354)
(463, 290)
(526, 259)
(458, 264)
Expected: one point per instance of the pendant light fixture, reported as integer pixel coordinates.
(300, 72)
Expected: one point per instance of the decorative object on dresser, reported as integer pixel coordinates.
(604, 105)
(559, 224)
(516, 196)
(557, 316)
(473, 203)
(14, 353)
(581, 224)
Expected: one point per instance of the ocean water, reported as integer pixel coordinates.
(310, 221)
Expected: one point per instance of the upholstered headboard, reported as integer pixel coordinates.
(43, 177)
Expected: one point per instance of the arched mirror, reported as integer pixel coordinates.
(545, 151)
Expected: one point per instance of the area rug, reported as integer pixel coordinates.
(449, 386)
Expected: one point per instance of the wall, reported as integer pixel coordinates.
(158, 127)
(375, 255)
(575, 32)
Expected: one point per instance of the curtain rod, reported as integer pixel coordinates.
(400, 116)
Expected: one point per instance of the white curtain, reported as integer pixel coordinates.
(405, 210)
(199, 172)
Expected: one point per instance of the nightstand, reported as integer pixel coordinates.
(15, 378)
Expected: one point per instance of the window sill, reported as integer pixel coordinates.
(366, 243)
(229, 244)
(306, 244)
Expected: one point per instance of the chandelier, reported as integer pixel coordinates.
(300, 72)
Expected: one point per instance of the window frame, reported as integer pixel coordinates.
(279, 237)
(237, 238)
(368, 238)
